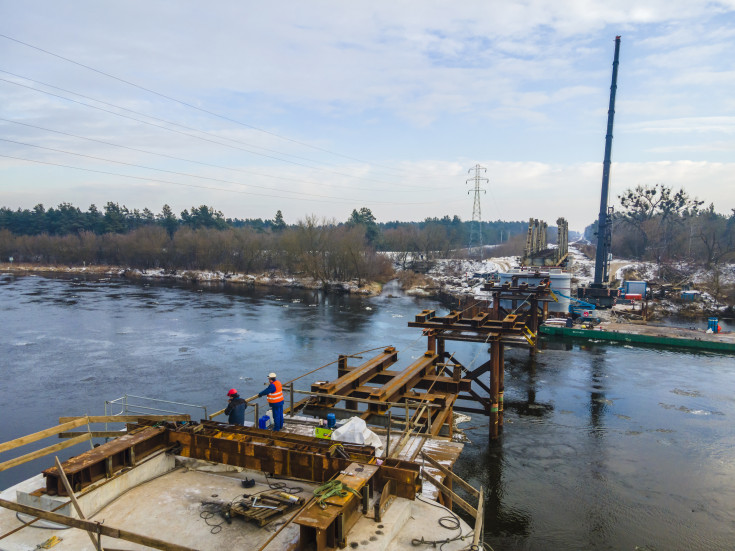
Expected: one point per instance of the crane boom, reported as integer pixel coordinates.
(604, 220)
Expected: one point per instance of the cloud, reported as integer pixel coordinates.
(428, 89)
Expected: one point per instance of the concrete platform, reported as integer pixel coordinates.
(169, 507)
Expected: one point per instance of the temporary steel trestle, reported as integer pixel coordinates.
(422, 397)
(373, 392)
(493, 324)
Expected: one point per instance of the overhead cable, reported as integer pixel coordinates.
(211, 165)
(177, 173)
(194, 185)
(181, 102)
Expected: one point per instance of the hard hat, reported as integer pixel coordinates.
(271, 375)
(232, 392)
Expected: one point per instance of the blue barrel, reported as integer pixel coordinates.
(712, 324)
(263, 422)
(331, 420)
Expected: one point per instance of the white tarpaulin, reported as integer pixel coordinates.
(355, 431)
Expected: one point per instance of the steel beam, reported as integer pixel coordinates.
(405, 381)
(358, 376)
(106, 460)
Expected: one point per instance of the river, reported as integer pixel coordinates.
(605, 446)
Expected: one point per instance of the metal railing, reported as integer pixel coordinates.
(130, 404)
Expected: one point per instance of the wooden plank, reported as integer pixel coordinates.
(29, 523)
(74, 501)
(23, 440)
(95, 527)
(94, 433)
(126, 418)
(450, 474)
(449, 493)
(42, 452)
(479, 521)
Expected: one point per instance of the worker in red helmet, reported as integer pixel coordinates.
(235, 409)
(274, 390)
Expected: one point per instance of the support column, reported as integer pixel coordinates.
(534, 322)
(534, 315)
(440, 348)
(341, 365)
(494, 386)
(501, 385)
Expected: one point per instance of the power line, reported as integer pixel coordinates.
(180, 132)
(392, 183)
(182, 184)
(250, 172)
(158, 118)
(212, 113)
(167, 171)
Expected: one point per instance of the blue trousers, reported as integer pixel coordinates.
(277, 410)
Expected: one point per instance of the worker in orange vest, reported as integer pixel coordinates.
(275, 398)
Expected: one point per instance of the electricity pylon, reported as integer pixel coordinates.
(476, 225)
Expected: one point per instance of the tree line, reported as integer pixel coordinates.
(322, 251)
(425, 239)
(201, 238)
(660, 224)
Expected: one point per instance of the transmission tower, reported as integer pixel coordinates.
(475, 246)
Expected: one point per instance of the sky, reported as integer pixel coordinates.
(318, 108)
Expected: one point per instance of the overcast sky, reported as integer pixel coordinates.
(321, 107)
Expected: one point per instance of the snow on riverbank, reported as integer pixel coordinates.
(261, 280)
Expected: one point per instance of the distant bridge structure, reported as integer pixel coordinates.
(537, 251)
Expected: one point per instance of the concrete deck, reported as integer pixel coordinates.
(169, 508)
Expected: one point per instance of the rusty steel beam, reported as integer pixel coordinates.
(443, 383)
(284, 439)
(358, 376)
(276, 456)
(106, 460)
(405, 381)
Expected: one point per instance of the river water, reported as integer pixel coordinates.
(604, 447)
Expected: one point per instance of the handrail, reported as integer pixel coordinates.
(340, 397)
(127, 407)
(478, 514)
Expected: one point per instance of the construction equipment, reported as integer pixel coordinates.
(598, 291)
(577, 307)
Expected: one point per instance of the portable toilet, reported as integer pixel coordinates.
(635, 288)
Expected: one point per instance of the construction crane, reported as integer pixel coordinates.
(598, 291)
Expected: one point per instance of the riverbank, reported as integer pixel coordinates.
(193, 276)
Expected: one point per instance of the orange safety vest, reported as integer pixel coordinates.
(277, 396)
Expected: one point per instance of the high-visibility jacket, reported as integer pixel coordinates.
(277, 395)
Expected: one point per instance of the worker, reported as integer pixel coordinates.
(235, 409)
(274, 390)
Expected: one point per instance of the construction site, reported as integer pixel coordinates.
(346, 490)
